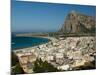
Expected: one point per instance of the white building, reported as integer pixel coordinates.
(59, 55)
(64, 67)
(50, 58)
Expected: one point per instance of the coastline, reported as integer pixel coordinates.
(48, 38)
(64, 54)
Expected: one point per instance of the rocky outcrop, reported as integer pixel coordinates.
(78, 23)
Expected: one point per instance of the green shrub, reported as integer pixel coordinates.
(15, 66)
(40, 66)
(17, 69)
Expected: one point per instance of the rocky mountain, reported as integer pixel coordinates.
(76, 22)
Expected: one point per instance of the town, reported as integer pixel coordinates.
(63, 53)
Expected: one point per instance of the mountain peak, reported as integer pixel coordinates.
(77, 22)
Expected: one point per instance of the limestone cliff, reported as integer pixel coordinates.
(77, 22)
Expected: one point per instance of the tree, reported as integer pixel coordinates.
(15, 66)
(14, 59)
(40, 66)
(17, 69)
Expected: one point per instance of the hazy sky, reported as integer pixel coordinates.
(41, 17)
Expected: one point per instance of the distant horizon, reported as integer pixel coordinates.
(43, 17)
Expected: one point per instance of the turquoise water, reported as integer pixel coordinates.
(24, 42)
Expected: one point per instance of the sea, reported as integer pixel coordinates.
(25, 42)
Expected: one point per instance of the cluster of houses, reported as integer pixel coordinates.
(63, 54)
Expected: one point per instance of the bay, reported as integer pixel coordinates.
(24, 42)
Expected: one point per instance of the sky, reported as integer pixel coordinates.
(43, 17)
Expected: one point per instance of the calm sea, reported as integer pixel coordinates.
(24, 42)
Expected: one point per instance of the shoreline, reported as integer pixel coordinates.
(49, 39)
(65, 54)
(21, 49)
